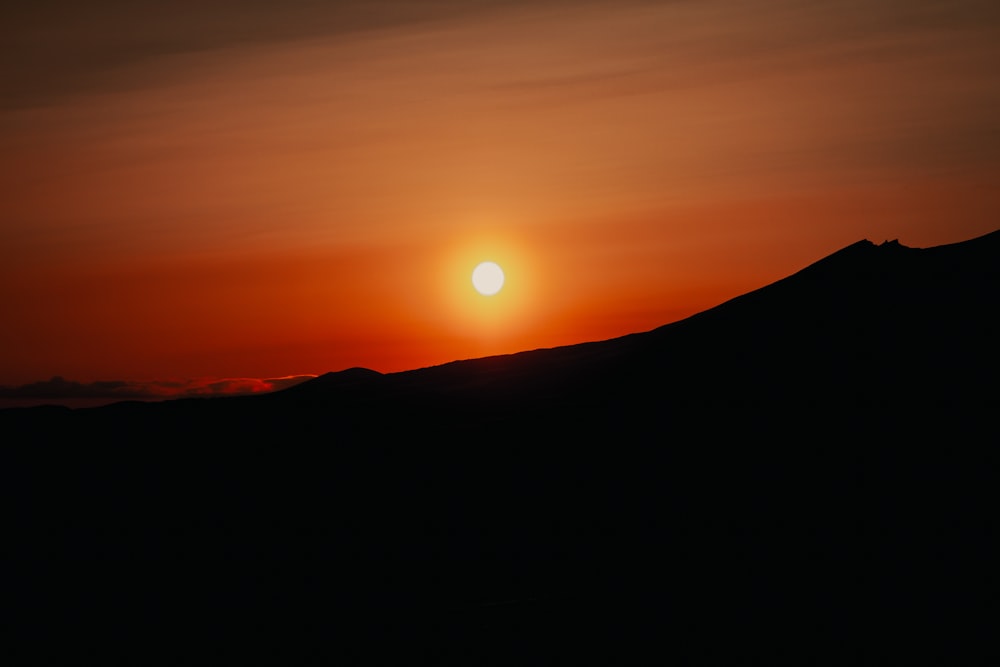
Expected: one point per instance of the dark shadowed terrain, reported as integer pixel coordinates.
(806, 474)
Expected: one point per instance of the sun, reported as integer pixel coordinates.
(487, 278)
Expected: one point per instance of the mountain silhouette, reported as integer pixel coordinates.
(804, 474)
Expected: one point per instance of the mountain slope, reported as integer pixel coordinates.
(869, 327)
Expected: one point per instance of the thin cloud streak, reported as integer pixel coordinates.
(61, 388)
(66, 48)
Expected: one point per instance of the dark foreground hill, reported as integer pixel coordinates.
(803, 475)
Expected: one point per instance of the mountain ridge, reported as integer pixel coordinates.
(862, 277)
(863, 258)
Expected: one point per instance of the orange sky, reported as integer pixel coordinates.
(260, 190)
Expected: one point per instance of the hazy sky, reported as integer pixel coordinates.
(245, 189)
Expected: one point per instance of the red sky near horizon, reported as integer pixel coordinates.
(216, 189)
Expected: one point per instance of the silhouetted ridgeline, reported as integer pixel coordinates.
(802, 475)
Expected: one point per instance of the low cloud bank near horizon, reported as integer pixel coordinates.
(60, 388)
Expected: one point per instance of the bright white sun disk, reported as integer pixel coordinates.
(487, 278)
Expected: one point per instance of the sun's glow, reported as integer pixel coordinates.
(476, 324)
(487, 278)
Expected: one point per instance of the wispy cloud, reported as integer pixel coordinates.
(61, 388)
(65, 48)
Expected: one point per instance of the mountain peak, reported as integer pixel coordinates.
(347, 378)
